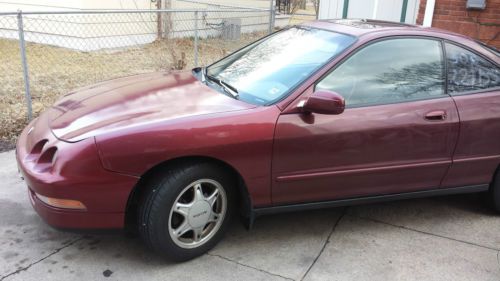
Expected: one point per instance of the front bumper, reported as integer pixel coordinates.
(68, 219)
(75, 174)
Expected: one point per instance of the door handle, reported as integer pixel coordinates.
(436, 115)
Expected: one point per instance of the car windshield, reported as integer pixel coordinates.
(267, 70)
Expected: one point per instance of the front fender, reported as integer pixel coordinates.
(242, 139)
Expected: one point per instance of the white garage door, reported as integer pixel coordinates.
(392, 10)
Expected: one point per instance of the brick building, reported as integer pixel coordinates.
(453, 15)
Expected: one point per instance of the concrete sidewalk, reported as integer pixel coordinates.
(446, 238)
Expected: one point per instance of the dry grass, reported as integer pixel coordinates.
(300, 16)
(55, 71)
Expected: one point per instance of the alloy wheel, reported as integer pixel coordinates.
(197, 213)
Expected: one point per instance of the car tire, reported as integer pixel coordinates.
(495, 192)
(180, 216)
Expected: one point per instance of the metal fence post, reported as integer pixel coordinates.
(271, 15)
(273, 22)
(196, 38)
(22, 48)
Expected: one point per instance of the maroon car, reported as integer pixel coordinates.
(328, 113)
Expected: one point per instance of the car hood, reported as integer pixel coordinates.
(135, 100)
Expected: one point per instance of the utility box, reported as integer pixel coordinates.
(476, 4)
(231, 29)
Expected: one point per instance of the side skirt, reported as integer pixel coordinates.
(367, 200)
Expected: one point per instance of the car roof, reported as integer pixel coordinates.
(361, 27)
(368, 29)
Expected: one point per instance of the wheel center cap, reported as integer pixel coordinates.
(199, 214)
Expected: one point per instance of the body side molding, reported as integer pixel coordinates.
(370, 199)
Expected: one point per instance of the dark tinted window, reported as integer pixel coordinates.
(390, 71)
(469, 72)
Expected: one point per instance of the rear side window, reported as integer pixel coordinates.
(390, 71)
(469, 72)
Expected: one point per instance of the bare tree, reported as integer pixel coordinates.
(296, 5)
(316, 7)
(158, 16)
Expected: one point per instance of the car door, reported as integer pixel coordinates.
(397, 133)
(474, 84)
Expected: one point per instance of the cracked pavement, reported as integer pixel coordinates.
(444, 238)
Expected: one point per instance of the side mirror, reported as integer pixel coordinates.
(324, 102)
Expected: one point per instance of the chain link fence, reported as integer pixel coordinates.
(46, 54)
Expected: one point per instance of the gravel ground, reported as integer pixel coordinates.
(6, 145)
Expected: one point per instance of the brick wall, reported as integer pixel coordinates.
(452, 15)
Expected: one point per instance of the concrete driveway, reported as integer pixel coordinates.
(446, 238)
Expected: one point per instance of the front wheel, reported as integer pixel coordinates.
(186, 211)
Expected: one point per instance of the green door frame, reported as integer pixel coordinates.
(403, 11)
(346, 8)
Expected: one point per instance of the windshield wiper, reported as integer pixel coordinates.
(226, 86)
(231, 89)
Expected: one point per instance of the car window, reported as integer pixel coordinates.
(390, 71)
(266, 71)
(469, 72)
